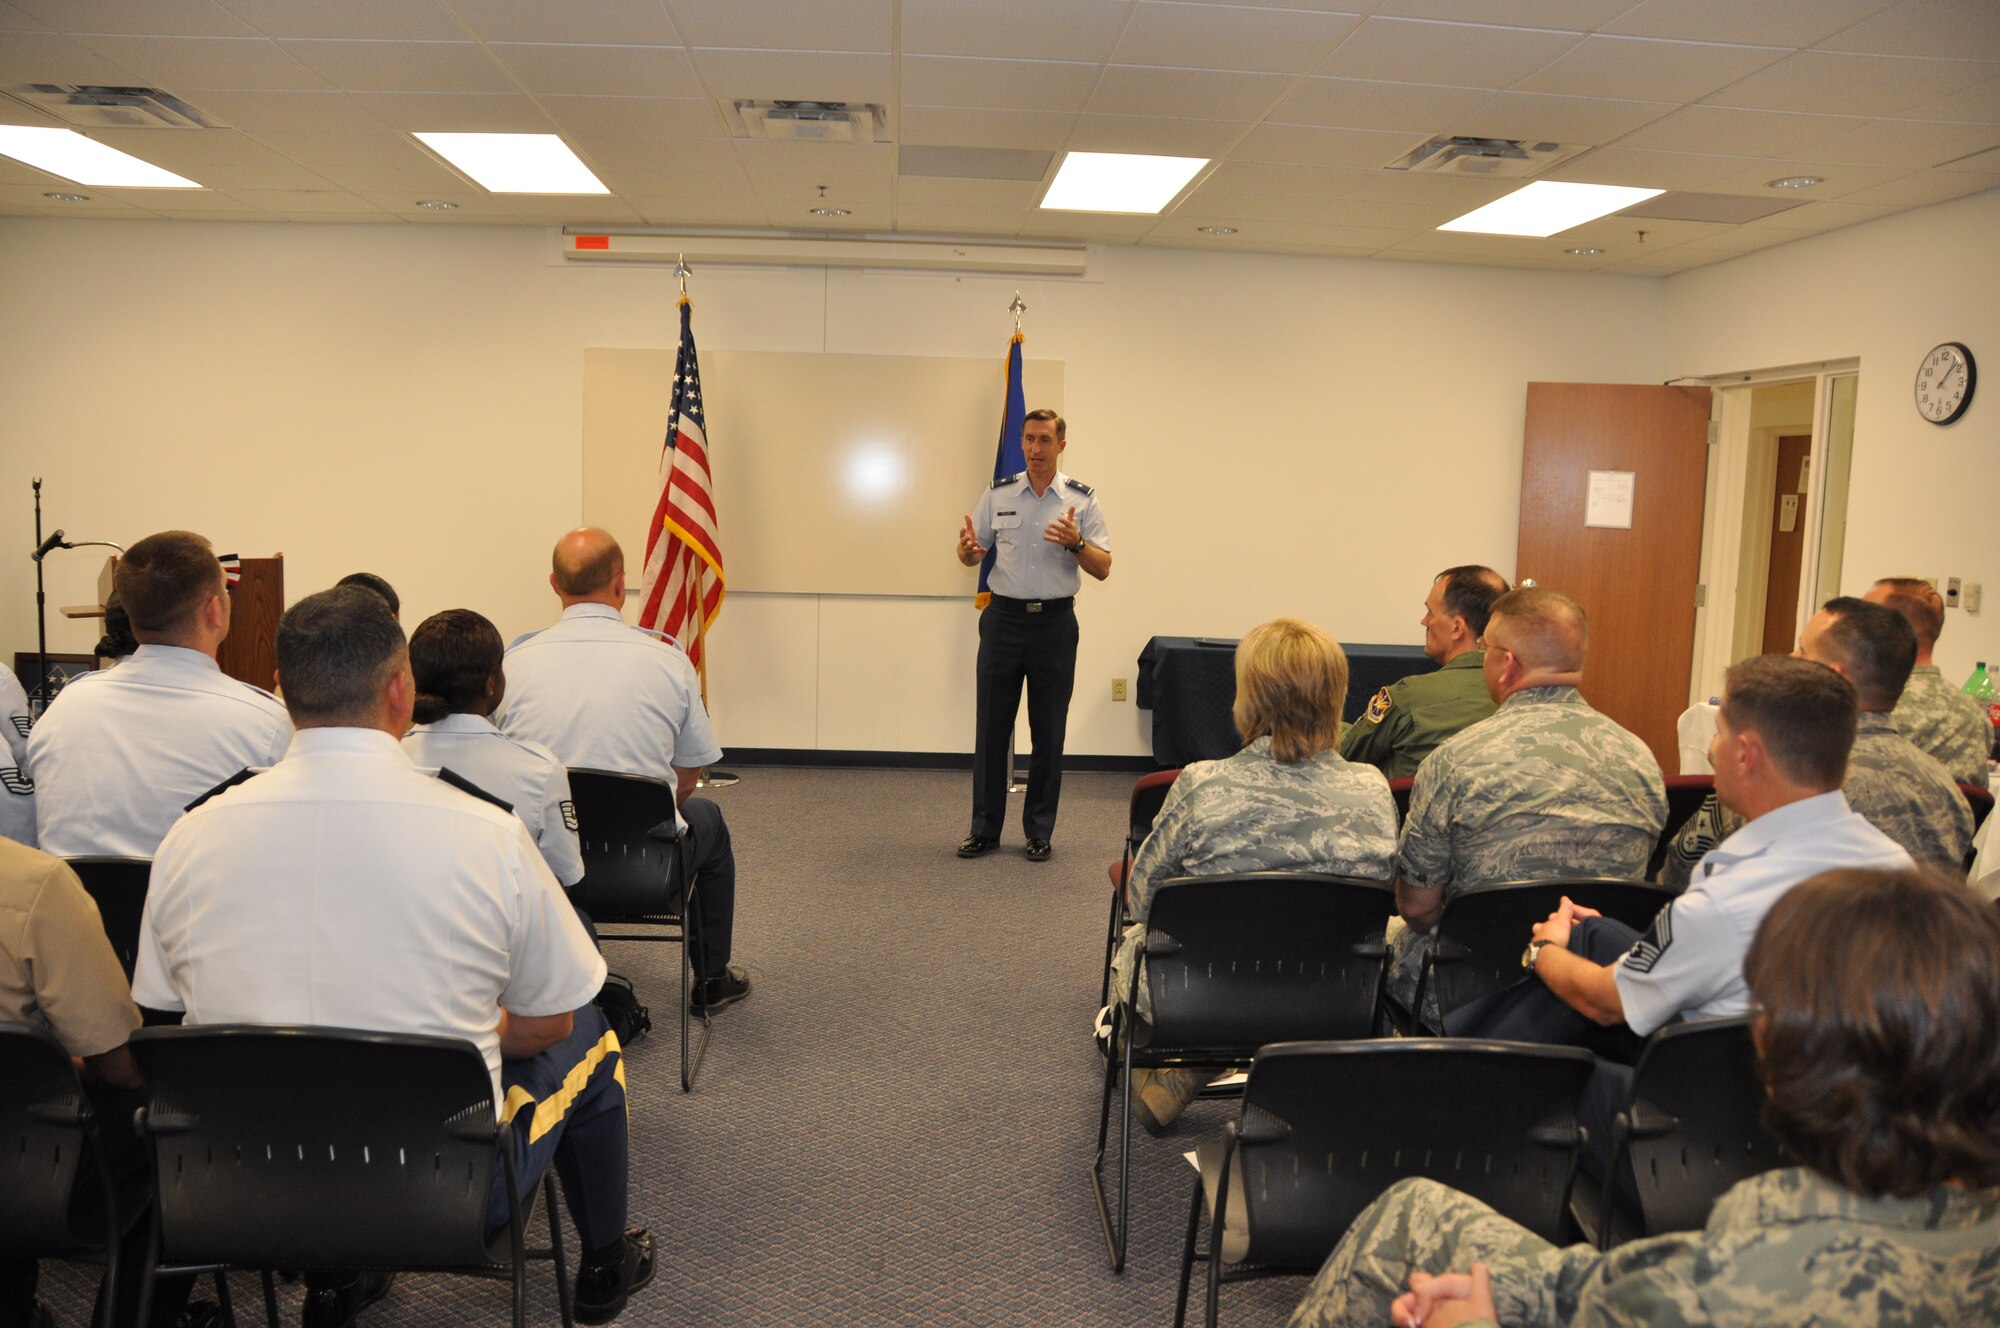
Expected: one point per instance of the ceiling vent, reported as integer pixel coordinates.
(806, 121)
(95, 106)
(1494, 158)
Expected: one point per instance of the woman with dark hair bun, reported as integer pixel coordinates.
(455, 657)
(1876, 999)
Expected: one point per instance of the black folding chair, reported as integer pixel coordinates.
(118, 885)
(1327, 1126)
(1477, 946)
(51, 1205)
(1981, 801)
(1231, 963)
(1694, 1128)
(290, 1147)
(632, 852)
(1148, 796)
(1685, 794)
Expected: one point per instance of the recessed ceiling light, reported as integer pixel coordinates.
(1216, 230)
(1118, 182)
(517, 163)
(68, 198)
(1546, 207)
(830, 212)
(1795, 182)
(69, 154)
(1582, 253)
(436, 204)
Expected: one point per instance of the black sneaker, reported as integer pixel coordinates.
(1040, 850)
(337, 1304)
(974, 845)
(716, 992)
(601, 1293)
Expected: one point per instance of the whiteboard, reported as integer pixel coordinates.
(834, 474)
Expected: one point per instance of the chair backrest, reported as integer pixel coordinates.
(1696, 1122)
(1327, 1126)
(1235, 961)
(1484, 927)
(1685, 794)
(624, 867)
(1148, 796)
(281, 1146)
(118, 885)
(1982, 803)
(42, 1123)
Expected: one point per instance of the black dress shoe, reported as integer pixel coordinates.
(1039, 850)
(337, 1304)
(729, 987)
(601, 1292)
(974, 845)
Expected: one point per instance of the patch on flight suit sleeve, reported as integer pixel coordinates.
(239, 777)
(1642, 956)
(15, 782)
(568, 815)
(464, 785)
(1378, 707)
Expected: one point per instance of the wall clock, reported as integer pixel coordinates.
(1944, 382)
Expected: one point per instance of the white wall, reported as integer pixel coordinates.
(1923, 498)
(1269, 434)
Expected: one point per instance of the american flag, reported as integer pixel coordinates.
(684, 580)
(1008, 458)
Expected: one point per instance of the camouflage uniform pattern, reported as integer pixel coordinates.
(1786, 1249)
(1251, 813)
(1900, 790)
(1545, 788)
(1946, 723)
(1407, 720)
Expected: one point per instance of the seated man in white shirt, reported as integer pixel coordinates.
(120, 754)
(346, 888)
(604, 695)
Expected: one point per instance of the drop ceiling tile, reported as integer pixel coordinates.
(1353, 103)
(251, 63)
(1543, 117)
(1765, 23)
(473, 205)
(1376, 212)
(1651, 170)
(1739, 240)
(959, 126)
(317, 151)
(874, 218)
(1317, 250)
(1979, 103)
(824, 161)
(13, 19)
(300, 111)
(33, 57)
(796, 75)
(1464, 244)
(1208, 36)
(29, 194)
(660, 157)
(1906, 143)
(1277, 178)
(1815, 218)
(217, 158)
(961, 221)
(1922, 189)
(1460, 192)
(1829, 83)
(638, 180)
(20, 113)
(1183, 229)
(1647, 69)
(303, 200)
(416, 173)
(992, 195)
(1020, 29)
(1230, 207)
(157, 18)
(1348, 7)
(456, 113)
(1310, 146)
(383, 20)
(1663, 265)
(1154, 134)
(829, 25)
(599, 22)
(1458, 54)
(1739, 132)
(848, 191)
(1936, 28)
(401, 66)
(1370, 238)
(1838, 181)
(1618, 234)
(569, 210)
(1985, 163)
(1194, 94)
(1107, 227)
(1570, 15)
(666, 117)
(172, 214)
(1027, 85)
(679, 209)
(613, 71)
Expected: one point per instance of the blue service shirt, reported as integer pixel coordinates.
(1011, 519)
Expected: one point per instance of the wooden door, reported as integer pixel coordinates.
(1637, 585)
(1788, 547)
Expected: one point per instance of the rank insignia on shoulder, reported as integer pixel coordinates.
(1006, 480)
(568, 815)
(1080, 487)
(464, 785)
(15, 782)
(1378, 706)
(22, 724)
(239, 777)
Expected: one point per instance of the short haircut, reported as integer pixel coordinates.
(590, 575)
(1875, 646)
(1550, 629)
(1046, 414)
(370, 581)
(1469, 593)
(117, 641)
(1291, 683)
(163, 581)
(1805, 713)
(1879, 1038)
(452, 656)
(335, 649)
(1919, 603)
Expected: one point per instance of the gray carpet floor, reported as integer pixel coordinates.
(896, 1126)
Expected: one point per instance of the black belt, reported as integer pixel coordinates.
(1034, 605)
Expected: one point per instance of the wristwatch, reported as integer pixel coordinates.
(1534, 950)
(1078, 546)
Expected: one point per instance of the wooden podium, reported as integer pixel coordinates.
(257, 601)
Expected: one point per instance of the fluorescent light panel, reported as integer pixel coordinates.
(69, 154)
(1546, 207)
(517, 163)
(1118, 182)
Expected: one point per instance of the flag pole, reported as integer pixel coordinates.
(710, 778)
(1014, 784)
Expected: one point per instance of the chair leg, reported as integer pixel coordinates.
(149, 1270)
(1111, 932)
(563, 1301)
(1217, 1224)
(223, 1302)
(1114, 1231)
(270, 1297)
(1187, 1256)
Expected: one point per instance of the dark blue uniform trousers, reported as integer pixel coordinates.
(567, 1106)
(1016, 646)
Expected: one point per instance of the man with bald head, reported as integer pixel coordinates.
(1545, 787)
(604, 695)
(1936, 716)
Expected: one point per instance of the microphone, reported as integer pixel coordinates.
(55, 541)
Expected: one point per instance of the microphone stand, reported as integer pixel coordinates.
(41, 607)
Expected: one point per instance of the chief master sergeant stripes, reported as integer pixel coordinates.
(1047, 528)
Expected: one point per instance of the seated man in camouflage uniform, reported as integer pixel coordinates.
(1878, 991)
(1903, 792)
(1545, 788)
(1936, 716)
(1406, 720)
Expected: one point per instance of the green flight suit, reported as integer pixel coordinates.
(1406, 720)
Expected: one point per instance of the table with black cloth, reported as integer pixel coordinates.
(1189, 683)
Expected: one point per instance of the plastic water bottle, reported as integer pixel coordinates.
(1980, 688)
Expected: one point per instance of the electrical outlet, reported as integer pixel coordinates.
(1118, 689)
(1951, 592)
(1968, 599)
